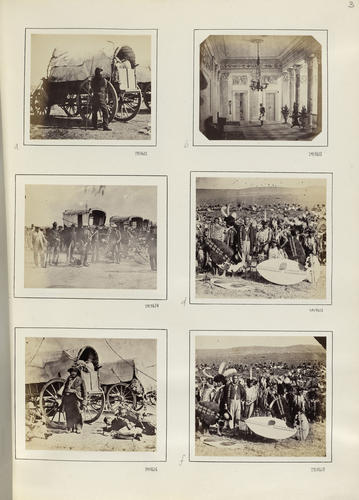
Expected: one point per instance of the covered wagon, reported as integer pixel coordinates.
(84, 217)
(144, 82)
(68, 83)
(108, 385)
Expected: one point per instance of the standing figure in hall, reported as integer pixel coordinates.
(262, 112)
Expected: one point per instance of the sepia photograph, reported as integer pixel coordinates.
(90, 394)
(88, 237)
(261, 396)
(260, 87)
(261, 238)
(90, 87)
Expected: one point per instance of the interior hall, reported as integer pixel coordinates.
(260, 87)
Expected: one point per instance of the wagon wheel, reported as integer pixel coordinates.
(85, 99)
(129, 104)
(151, 397)
(146, 93)
(70, 104)
(119, 395)
(39, 103)
(140, 254)
(94, 407)
(50, 402)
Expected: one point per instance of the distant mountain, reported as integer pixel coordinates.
(253, 354)
(263, 195)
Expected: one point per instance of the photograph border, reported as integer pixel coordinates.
(50, 142)
(268, 302)
(329, 334)
(257, 144)
(14, 393)
(15, 264)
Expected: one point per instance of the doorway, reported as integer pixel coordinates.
(270, 106)
(241, 106)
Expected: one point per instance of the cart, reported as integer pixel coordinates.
(69, 85)
(107, 387)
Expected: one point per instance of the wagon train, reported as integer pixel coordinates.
(134, 231)
(68, 84)
(109, 386)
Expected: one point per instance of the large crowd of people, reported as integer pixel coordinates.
(229, 393)
(251, 234)
(82, 246)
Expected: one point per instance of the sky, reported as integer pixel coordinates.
(44, 204)
(37, 349)
(42, 47)
(249, 182)
(227, 342)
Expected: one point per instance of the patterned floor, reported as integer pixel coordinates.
(271, 131)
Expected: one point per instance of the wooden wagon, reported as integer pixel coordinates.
(108, 386)
(68, 84)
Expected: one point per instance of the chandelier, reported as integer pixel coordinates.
(258, 83)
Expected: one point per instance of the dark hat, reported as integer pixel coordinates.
(98, 71)
(74, 368)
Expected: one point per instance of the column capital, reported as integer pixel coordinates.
(224, 76)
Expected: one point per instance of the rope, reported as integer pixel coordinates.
(126, 361)
(37, 350)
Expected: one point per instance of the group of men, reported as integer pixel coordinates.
(262, 389)
(78, 243)
(253, 237)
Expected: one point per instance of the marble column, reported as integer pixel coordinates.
(297, 84)
(285, 89)
(291, 88)
(310, 89)
(319, 92)
(223, 108)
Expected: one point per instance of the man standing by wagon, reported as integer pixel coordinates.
(99, 87)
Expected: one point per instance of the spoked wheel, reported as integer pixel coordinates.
(151, 397)
(70, 105)
(85, 101)
(129, 104)
(50, 402)
(94, 407)
(39, 103)
(140, 256)
(120, 395)
(146, 93)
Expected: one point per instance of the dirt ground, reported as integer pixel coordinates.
(314, 446)
(60, 126)
(92, 438)
(255, 287)
(128, 274)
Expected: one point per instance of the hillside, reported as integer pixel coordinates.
(262, 195)
(254, 354)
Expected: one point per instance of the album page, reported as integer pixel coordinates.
(179, 303)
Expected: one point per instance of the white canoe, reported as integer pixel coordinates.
(282, 271)
(269, 427)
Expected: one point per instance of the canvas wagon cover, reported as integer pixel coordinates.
(143, 74)
(47, 358)
(80, 63)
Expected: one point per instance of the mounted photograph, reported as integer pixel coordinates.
(260, 88)
(90, 87)
(90, 394)
(79, 238)
(260, 396)
(261, 238)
